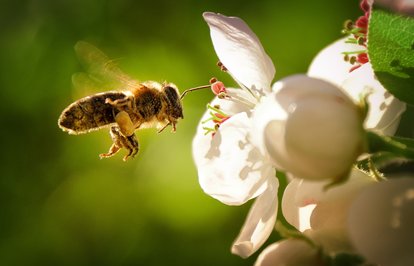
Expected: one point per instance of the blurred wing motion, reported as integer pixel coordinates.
(101, 73)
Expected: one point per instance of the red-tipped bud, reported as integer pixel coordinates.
(365, 6)
(363, 58)
(362, 22)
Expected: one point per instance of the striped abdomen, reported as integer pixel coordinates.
(89, 113)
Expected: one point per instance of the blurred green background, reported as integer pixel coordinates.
(60, 204)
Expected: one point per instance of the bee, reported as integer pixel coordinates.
(135, 106)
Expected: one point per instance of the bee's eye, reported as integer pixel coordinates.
(171, 94)
(174, 102)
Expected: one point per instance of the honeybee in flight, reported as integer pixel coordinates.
(136, 105)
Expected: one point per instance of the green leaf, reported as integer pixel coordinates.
(397, 146)
(391, 52)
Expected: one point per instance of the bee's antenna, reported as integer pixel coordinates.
(194, 89)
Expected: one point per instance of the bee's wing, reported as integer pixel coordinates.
(85, 84)
(100, 70)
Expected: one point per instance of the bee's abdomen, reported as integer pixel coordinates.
(89, 113)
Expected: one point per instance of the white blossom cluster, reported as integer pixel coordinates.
(313, 128)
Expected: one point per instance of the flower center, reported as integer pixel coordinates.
(217, 116)
(358, 35)
(218, 88)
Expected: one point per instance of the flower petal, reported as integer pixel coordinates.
(316, 192)
(230, 168)
(240, 51)
(384, 109)
(201, 143)
(329, 64)
(259, 223)
(301, 197)
(290, 252)
(268, 109)
(295, 212)
(328, 218)
(380, 222)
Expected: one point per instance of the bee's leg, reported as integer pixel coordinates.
(174, 128)
(116, 145)
(112, 151)
(127, 129)
(133, 147)
(120, 141)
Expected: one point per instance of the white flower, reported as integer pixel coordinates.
(322, 213)
(384, 109)
(256, 128)
(230, 167)
(381, 222)
(290, 252)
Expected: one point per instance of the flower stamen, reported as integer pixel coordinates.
(358, 32)
(217, 87)
(221, 66)
(217, 116)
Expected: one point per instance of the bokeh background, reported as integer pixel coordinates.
(61, 204)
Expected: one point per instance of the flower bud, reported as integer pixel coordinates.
(319, 133)
(380, 222)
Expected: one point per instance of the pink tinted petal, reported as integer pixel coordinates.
(290, 252)
(240, 51)
(260, 221)
(296, 213)
(380, 222)
(384, 109)
(305, 214)
(324, 208)
(290, 206)
(332, 240)
(309, 192)
(329, 63)
(301, 196)
(230, 169)
(329, 218)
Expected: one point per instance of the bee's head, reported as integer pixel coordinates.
(172, 97)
